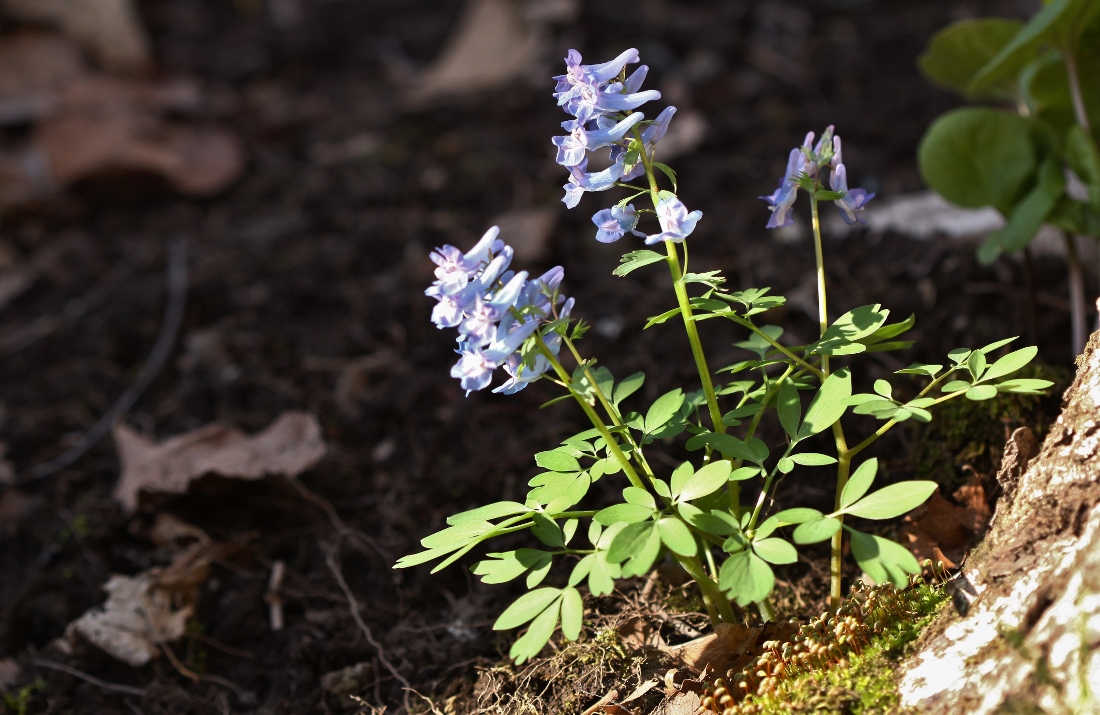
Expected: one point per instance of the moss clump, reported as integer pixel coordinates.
(837, 663)
(970, 433)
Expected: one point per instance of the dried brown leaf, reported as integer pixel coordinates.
(9, 673)
(289, 446)
(491, 46)
(717, 650)
(109, 29)
(197, 161)
(137, 617)
(942, 531)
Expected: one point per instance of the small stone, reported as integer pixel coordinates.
(348, 681)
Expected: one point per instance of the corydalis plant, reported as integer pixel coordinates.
(695, 513)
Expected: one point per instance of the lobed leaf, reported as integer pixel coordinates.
(489, 511)
(537, 635)
(637, 259)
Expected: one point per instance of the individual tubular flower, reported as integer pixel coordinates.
(613, 223)
(782, 199)
(676, 223)
(475, 367)
(483, 315)
(454, 268)
(578, 76)
(854, 200)
(571, 148)
(650, 136)
(581, 181)
(519, 375)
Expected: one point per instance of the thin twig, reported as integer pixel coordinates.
(162, 348)
(353, 604)
(338, 523)
(111, 687)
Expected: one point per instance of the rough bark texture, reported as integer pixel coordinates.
(1028, 637)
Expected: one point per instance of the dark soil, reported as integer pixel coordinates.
(309, 281)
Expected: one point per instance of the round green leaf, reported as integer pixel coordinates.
(677, 537)
(644, 557)
(707, 480)
(956, 53)
(776, 551)
(981, 392)
(814, 531)
(558, 461)
(893, 500)
(639, 496)
(630, 541)
(976, 157)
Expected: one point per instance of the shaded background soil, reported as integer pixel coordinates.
(306, 293)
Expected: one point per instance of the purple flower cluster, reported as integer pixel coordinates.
(495, 310)
(809, 162)
(602, 106)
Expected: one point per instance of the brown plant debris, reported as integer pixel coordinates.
(945, 531)
(146, 611)
(289, 446)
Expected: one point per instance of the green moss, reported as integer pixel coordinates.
(964, 432)
(860, 684)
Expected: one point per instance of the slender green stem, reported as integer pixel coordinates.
(764, 492)
(843, 458)
(710, 561)
(690, 328)
(612, 443)
(718, 606)
(1080, 113)
(612, 412)
(836, 553)
(787, 352)
(819, 256)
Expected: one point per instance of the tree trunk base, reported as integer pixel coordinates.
(1025, 635)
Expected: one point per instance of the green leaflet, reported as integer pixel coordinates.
(893, 500)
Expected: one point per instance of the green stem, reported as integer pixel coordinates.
(718, 606)
(689, 320)
(836, 554)
(612, 443)
(819, 256)
(1079, 111)
(786, 352)
(612, 412)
